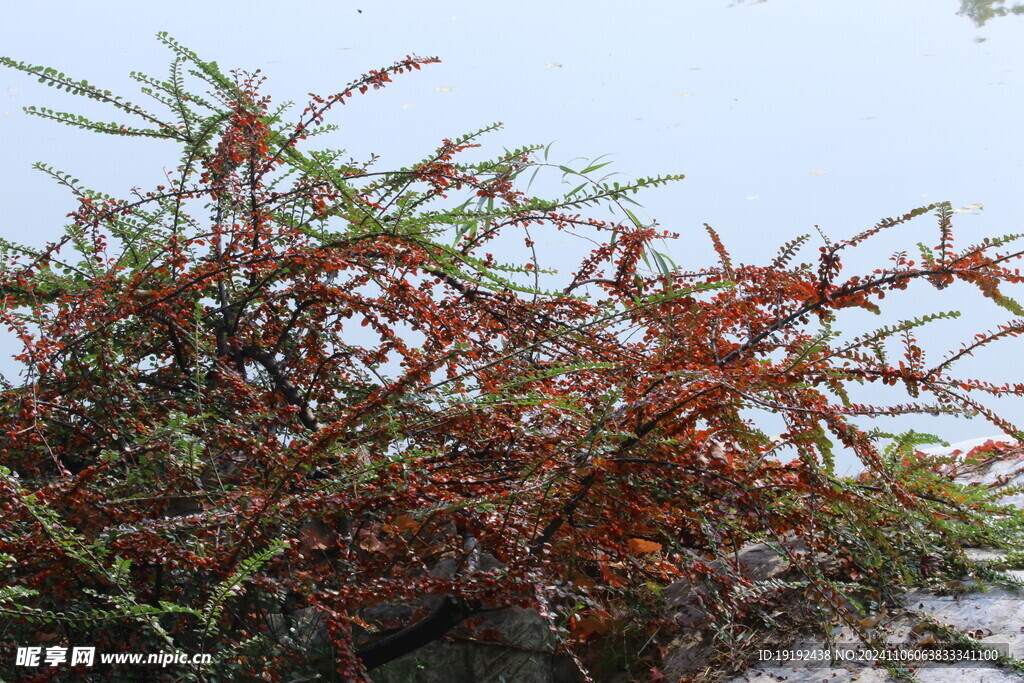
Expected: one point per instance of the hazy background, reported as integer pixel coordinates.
(783, 114)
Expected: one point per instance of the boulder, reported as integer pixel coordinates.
(692, 648)
(512, 644)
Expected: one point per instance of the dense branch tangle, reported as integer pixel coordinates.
(288, 380)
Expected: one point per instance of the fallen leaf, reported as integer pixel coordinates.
(639, 545)
(610, 577)
(370, 543)
(405, 523)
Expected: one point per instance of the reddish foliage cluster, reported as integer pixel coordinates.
(278, 384)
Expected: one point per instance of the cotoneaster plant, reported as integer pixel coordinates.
(286, 384)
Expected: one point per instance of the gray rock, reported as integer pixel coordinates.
(524, 652)
(692, 648)
(511, 644)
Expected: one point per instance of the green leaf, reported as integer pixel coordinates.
(595, 167)
(633, 217)
(548, 149)
(575, 189)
